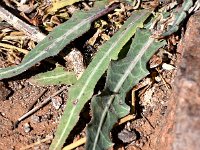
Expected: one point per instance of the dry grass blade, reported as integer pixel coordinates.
(10, 47)
(36, 143)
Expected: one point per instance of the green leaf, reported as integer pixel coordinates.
(179, 17)
(82, 91)
(55, 77)
(58, 39)
(122, 75)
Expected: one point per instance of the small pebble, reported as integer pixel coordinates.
(167, 67)
(158, 79)
(46, 117)
(3, 114)
(35, 118)
(127, 136)
(137, 143)
(56, 102)
(27, 127)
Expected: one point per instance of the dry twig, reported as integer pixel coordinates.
(75, 144)
(30, 31)
(38, 107)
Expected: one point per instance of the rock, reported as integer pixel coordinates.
(35, 118)
(56, 102)
(75, 62)
(27, 127)
(127, 136)
(181, 127)
(187, 90)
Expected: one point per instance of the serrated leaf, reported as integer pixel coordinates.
(58, 39)
(82, 91)
(122, 75)
(54, 77)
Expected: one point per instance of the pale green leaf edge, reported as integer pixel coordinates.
(56, 76)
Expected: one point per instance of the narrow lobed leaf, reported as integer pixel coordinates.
(122, 75)
(58, 38)
(82, 91)
(55, 77)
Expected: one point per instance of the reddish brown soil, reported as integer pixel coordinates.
(42, 123)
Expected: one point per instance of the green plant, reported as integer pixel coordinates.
(58, 38)
(82, 91)
(55, 77)
(122, 74)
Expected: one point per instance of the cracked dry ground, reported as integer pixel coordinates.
(154, 129)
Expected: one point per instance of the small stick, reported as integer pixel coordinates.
(167, 85)
(37, 143)
(15, 37)
(105, 11)
(38, 107)
(75, 144)
(30, 31)
(147, 120)
(36, 99)
(125, 119)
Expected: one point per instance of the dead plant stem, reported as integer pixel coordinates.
(38, 107)
(20, 25)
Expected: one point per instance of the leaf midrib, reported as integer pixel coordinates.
(88, 81)
(63, 37)
(52, 77)
(132, 65)
(118, 86)
(93, 73)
